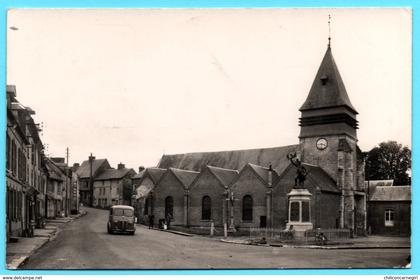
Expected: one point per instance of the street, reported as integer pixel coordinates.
(85, 244)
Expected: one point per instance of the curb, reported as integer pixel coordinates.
(20, 260)
(174, 232)
(244, 243)
(235, 242)
(315, 246)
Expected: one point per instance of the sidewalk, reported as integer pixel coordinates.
(17, 253)
(369, 242)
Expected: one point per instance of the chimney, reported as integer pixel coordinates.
(141, 168)
(75, 166)
(121, 166)
(270, 175)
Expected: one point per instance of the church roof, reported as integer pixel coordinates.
(263, 172)
(328, 89)
(225, 176)
(186, 177)
(154, 173)
(316, 176)
(320, 178)
(236, 159)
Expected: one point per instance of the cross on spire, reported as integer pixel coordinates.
(329, 31)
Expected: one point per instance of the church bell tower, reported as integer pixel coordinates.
(328, 134)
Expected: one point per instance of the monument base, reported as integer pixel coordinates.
(299, 212)
(300, 228)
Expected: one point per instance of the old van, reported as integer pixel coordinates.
(121, 219)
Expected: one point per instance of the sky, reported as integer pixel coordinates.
(131, 85)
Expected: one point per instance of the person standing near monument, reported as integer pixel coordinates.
(168, 220)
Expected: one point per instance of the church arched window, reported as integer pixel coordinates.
(247, 205)
(206, 208)
(169, 206)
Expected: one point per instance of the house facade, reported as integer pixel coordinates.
(25, 172)
(87, 172)
(389, 210)
(108, 187)
(55, 185)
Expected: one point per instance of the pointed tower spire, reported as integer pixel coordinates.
(328, 106)
(329, 31)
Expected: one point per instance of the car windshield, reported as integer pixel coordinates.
(122, 212)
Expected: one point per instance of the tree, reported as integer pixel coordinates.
(127, 189)
(389, 160)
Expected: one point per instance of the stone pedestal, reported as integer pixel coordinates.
(299, 211)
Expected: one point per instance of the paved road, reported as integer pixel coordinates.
(85, 244)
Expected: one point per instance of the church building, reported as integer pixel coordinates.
(249, 188)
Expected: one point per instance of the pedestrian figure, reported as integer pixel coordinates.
(168, 220)
(151, 221)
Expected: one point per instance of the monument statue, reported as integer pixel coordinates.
(300, 170)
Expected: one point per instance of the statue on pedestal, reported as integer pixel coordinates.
(300, 170)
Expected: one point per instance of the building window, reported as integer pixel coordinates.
(206, 208)
(9, 204)
(15, 200)
(7, 151)
(169, 206)
(247, 205)
(19, 164)
(14, 161)
(19, 205)
(389, 218)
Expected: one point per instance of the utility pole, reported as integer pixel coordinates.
(68, 183)
(67, 156)
(91, 159)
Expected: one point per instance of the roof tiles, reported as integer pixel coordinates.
(235, 160)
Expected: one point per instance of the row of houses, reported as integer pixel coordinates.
(103, 186)
(37, 187)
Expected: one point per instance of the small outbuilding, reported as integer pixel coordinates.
(389, 210)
